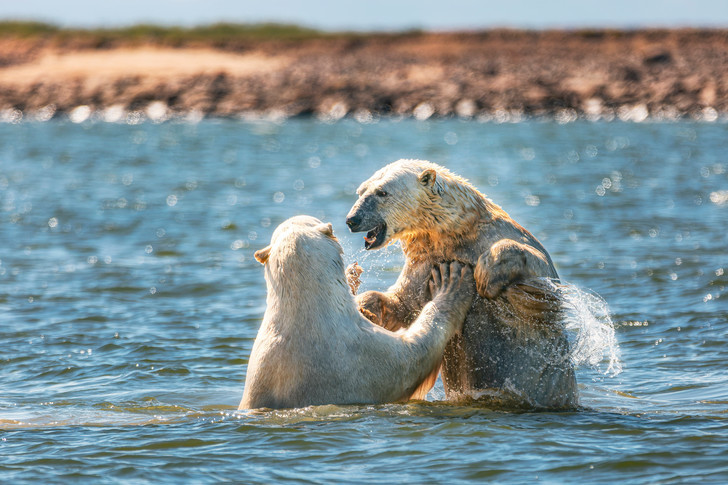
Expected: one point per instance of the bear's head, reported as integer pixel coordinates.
(400, 200)
(302, 249)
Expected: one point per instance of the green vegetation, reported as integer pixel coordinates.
(10, 28)
(219, 35)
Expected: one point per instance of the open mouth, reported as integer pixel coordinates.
(376, 237)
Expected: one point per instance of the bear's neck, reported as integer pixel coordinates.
(450, 220)
(307, 304)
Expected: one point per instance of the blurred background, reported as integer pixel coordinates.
(487, 60)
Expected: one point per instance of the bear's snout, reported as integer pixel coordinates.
(362, 215)
(353, 222)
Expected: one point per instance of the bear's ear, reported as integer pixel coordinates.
(262, 254)
(327, 230)
(428, 177)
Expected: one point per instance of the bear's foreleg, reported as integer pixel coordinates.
(510, 269)
(452, 289)
(385, 310)
(508, 262)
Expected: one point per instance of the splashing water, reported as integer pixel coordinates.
(590, 327)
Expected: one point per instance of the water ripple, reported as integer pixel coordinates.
(130, 300)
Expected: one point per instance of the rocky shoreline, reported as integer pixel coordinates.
(499, 75)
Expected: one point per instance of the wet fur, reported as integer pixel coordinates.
(512, 342)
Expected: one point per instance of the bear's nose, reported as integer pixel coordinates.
(353, 222)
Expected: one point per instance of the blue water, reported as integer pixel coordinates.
(129, 301)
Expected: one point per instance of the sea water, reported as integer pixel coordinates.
(130, 299)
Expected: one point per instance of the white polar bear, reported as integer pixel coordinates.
(314, 346)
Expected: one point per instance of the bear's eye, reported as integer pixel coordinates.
(381, 193)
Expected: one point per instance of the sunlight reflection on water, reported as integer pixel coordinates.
(130, 298)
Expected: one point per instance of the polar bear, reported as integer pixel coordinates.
(315, 347)
(513, 349)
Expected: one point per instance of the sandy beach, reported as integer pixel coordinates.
(632, 75)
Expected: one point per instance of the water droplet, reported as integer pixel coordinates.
(528, 153)
(564, 116)
(361, 150)
(423, 111)
(573, 156)
(134, 118)
(363, 116)
(451, 138)
(157, 111)
(79, 114)
(719, 197)
(239, 244)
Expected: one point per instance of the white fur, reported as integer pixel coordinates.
(314, 346)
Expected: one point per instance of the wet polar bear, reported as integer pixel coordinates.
(314, 346)
(513, 349)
